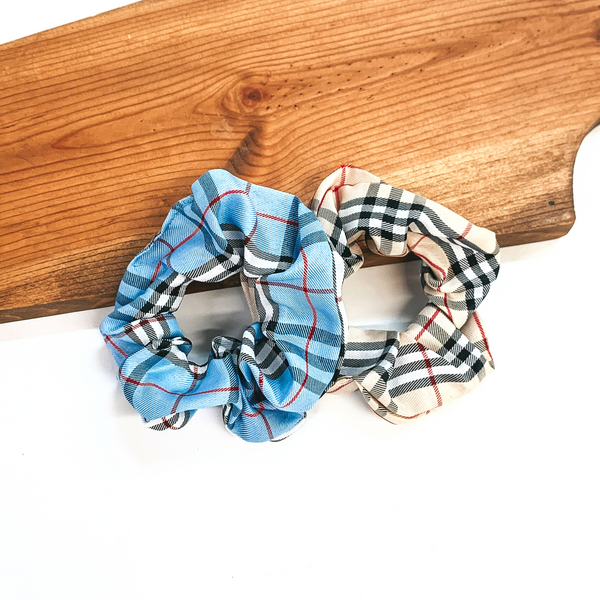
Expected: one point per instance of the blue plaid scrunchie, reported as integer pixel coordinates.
(284, 362)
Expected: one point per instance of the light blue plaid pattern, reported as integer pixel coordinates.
(284, 362)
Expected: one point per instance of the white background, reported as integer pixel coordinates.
(493, 496)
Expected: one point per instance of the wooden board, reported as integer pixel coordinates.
(105, 123)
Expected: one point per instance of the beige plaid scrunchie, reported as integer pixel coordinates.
(444, 353)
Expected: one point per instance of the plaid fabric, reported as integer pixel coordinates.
(444, 353)
(285, 360)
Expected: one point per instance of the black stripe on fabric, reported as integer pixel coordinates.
(209, 189)
(316, 237)
(135, 280)
(188, 204)
(139, 373)
(226, 267)
(267, 325)
(314, 360)
(293, 332)
(425, 382)
(290, 243)
(434, 361)
(391, 339)
(310, 383)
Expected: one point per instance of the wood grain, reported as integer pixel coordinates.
(105, 123)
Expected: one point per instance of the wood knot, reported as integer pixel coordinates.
(251, 95)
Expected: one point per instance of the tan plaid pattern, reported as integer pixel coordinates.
(444, 353)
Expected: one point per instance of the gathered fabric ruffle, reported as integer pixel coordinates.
(292, 263)
(283, 363)
(444, 353)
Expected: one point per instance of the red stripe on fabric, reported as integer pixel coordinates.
(341, 387)
(210, 205)
(280, 219)
(158, 387)
(269, 432)
(157, 268)
(329, 189)
(342, 184)
(249, 236)
(255, 414)
(403, 417)
(464, 234)
(293, 287)
(165, 243)
(321, 203)
(480, 326)
(166, 422)
(176, 404)
(335, 188)
(432, 264)
(418, 242)
(313, 328)
(414, 416)
(259, 413)
(426, 326)
(199, 227)
(107, 339)
(446, 305)
(375, 251)
(129, 328)
(431, 375)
